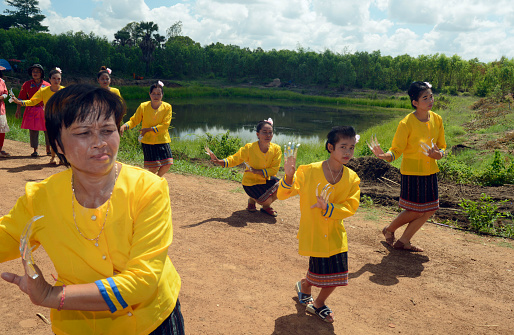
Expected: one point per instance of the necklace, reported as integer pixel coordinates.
(337, 175)
(94, 216)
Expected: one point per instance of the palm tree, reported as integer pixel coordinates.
(147, 44)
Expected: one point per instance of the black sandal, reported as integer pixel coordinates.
(323, 312)
(303, 298)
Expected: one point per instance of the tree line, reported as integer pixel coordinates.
(137, 50)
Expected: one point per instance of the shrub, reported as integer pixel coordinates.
(453, 170)
(366, 201)
(499, 172)
(482, 214)
(222, 145)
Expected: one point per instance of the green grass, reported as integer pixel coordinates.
(198, 91)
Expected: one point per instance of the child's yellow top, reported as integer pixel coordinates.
(115, 91)
(130, 267)
(409, 135)
(159, 120)
(43, 94)
(322, 232)
(268, 162)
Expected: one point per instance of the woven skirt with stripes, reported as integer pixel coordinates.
(174, 324)
(328, 272)
(261, 192)
(157, 155)
(419, 193)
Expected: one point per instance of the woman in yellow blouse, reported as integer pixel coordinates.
(262, 159)
(43, 95)
(329, 192)
(106, 226)
(155, 116)
(420, 138)
(104, 79)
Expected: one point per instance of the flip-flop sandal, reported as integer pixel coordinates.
(389, 240)
(303, 298)
(323, 312)
(399, 245)
(269, 211)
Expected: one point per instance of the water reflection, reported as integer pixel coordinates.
(301, 122)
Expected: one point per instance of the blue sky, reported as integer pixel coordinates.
(480, 29)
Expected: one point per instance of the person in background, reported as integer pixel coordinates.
(155, 118)
(34, 116)
(262, 159)
(104, 79)
(43, 95)
(420, 138)
(4, 127)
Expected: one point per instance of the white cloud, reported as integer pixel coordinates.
(472, 28)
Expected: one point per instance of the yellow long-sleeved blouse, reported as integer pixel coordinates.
(268, 162)
(159, 120)
(130, 266)
(407, 141)
(43, 94)
(322, 232)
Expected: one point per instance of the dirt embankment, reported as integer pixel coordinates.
(381, 182)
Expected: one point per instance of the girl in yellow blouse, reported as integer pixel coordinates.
(329, 192)
(104, 79)
(43, 95)
(420, 138)
(155, 116)
(106, 226)
(262, 159)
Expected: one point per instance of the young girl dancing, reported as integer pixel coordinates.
(104, 79)
(43, 95)
(329, 192)
(420, 138)
(4, 127)
(155, 116)
(262, 159)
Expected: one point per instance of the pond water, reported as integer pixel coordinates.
(300, 122)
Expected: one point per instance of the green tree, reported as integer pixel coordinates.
(175, 30)
(123, 38)
(26, 15)
(147, 44)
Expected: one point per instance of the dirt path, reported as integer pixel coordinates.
(238, 269)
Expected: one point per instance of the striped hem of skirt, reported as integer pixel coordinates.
(415, 207)
(159, 163)
(330, 280)
(268, 193)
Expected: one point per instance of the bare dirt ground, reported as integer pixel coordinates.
(238, 269)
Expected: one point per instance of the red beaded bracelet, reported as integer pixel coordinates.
(62, 298)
